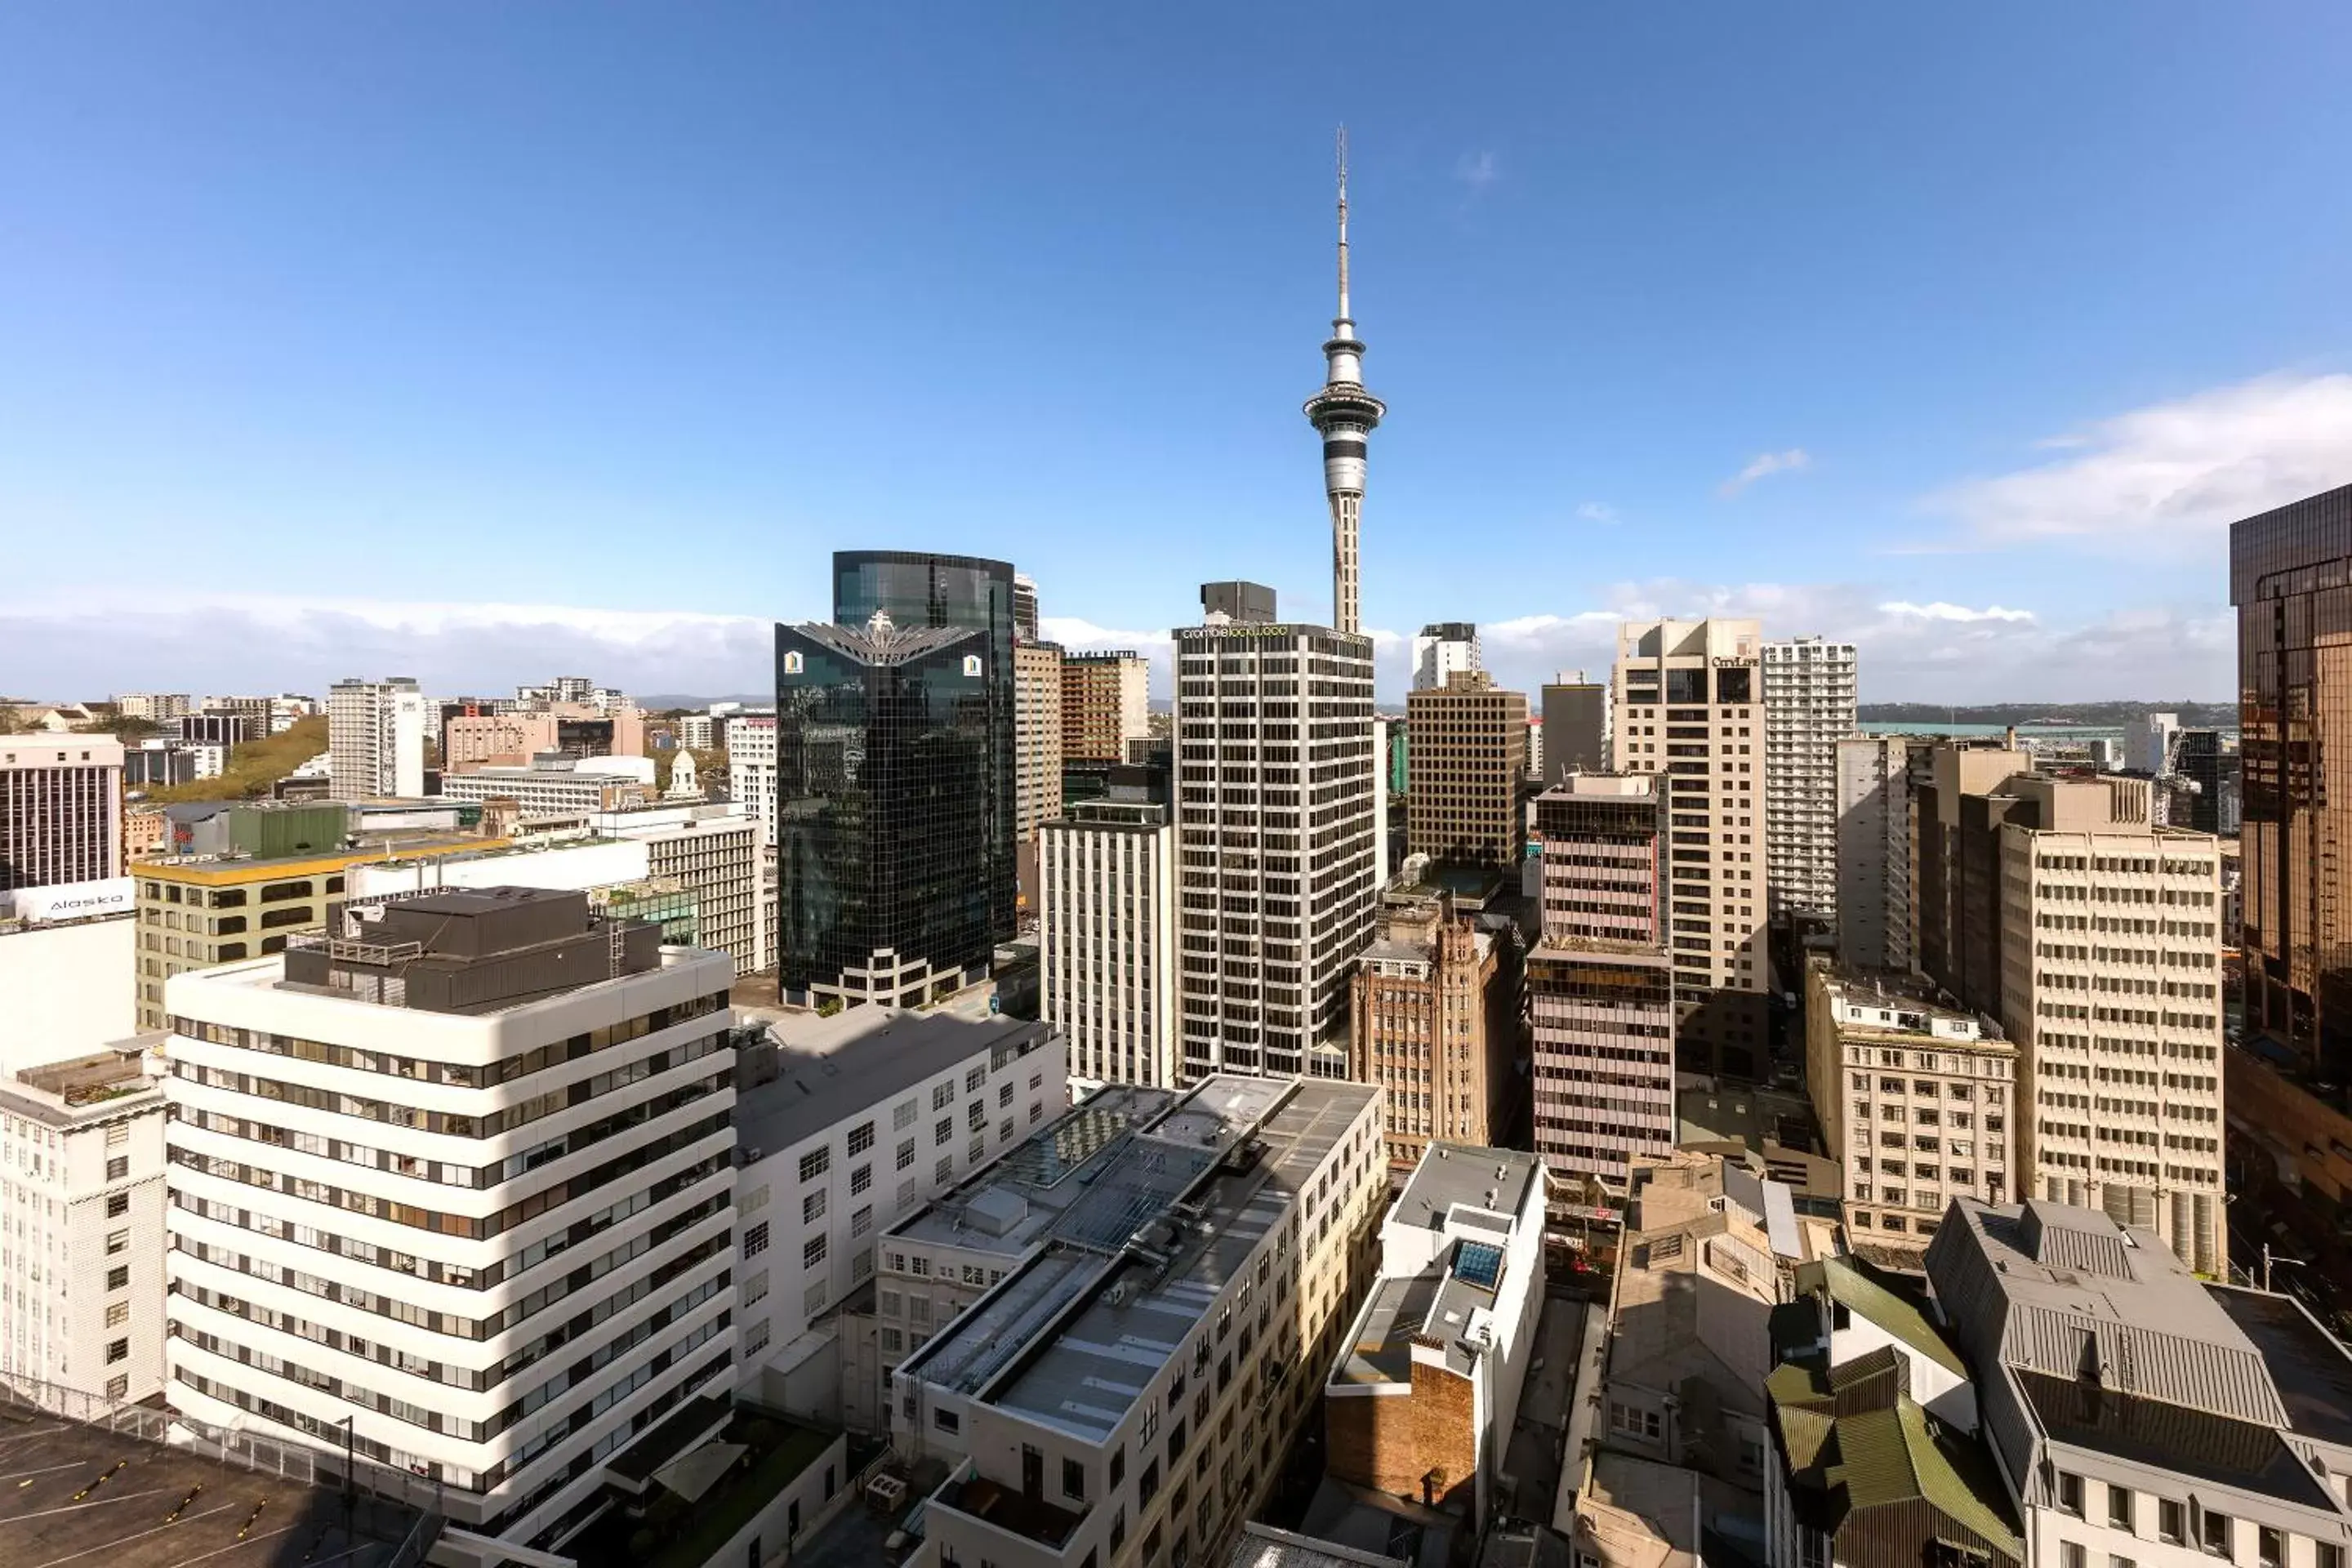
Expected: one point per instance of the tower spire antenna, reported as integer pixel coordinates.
(1343, 224)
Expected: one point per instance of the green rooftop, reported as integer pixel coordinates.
(1854, 1286)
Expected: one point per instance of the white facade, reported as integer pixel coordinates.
(713, 851)
(557, 792)
(751, 770)
(1438, 651)
(848, 1142)
(556, 864)
(376, 739)
(1809, 707)
(156, 707)
(2147, 743)
(60, 809)
(2111, 944)
(1277, 802)
(81, 1229)
(1875, 921)
(66, 988)
(1107, 940)
(394, 1214)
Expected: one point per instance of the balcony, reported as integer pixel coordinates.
(993, 1504)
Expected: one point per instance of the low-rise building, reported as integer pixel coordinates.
(1915, 1096)
(554, 785)
(1127, 1392)
(870, 1114)
(81, 1225)
(1422, 1400)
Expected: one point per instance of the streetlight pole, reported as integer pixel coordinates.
(2268, 1260)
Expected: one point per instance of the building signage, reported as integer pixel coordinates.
(972, 665)
(1728, 663)
(75, 900)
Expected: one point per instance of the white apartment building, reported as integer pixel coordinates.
(871, 1113)
(1429, 1381)
(2111, 971)
(1444, 649)
(1916, 1097)
(1127, 1394)
(81, 1225)
(1277, 805)
(376, 739)
(60, 809)
(1107, 940)
(1875, 918)
(1809, 707)
(751, 770)
(414, 1157)
(1688, 703)
(156, 707)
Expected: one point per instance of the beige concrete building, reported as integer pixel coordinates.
(1105, 702)
(511, 739)
(1689, 706)
(1434, 1025)
(1038, 708)
(1917, 1097)
(1875, 923)
(1463, 772)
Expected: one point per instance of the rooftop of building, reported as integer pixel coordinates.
(1263, 1546)
(1020, 1199)
(2158, 1432)
(2310, 1365)
(831, 1068)
(1894, 1003)
(100, 1494)
(1149, 1247)
(86, 1087)
(229, 870)
(1378, 1526)
(1682, 1243)
(1895, 1304)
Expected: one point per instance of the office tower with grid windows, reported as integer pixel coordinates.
(1106, 704)
(60, 809)
(1024, 606)
(1276, 806)
(411, 1158)
(1809, 707)
(1689, 708)
(887, 764)
(1462, 787)
(1107, 940)
(376, 739)
(1601, 987)
(1037, 738)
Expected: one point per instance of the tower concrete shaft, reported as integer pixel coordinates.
(1344, 413)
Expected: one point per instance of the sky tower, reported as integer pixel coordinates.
(1345, 414)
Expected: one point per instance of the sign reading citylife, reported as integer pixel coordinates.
(74, 900)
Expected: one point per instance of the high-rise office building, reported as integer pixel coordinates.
(376, 739)
(1024, 606)
(354, 1264)
(1689, 706)
(1575, 726)
(917, 591)
(1037, 724)
(1955, 898)
(1276, 835)
(1600, 992)
(1106, 704)
(1107, 940)
(60, 809)
(886, 758)
(1809, 707)
(1469, 760)
(2094, 936)
(1344, 414)
(2148, 739)
(1435, 1024)
(1443, 650)
(1874, 853)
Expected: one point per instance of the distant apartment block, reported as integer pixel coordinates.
(1105, 702)
(1037, 697)
(154, 707)
(1809, 707)
(376, 739)
(1875, 921)
(517, 737)
(554, 786)
(60, 809)
(1107, 940)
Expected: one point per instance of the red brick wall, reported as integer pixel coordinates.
(1390, 1442)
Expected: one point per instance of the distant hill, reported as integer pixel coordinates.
(2193, 715)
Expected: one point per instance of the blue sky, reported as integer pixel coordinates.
(479, 342)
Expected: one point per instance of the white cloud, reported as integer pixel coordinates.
(1478, 171)
(1940, 611)
(1601, 512)
(2172, 476)
(1765, 464)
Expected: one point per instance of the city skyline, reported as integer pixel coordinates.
(1953, 431)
